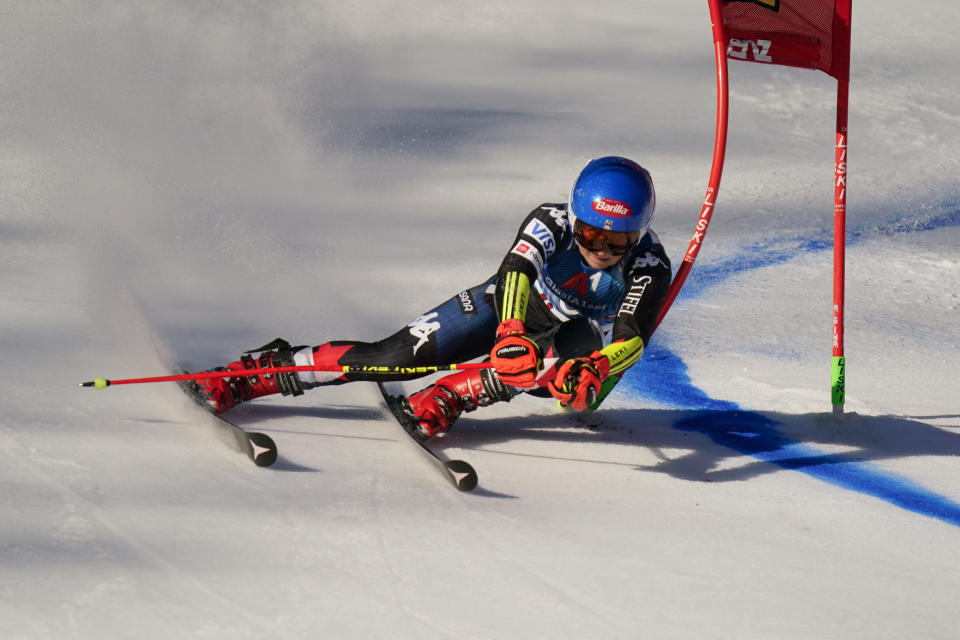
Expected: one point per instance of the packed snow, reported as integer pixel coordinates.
(182, 181)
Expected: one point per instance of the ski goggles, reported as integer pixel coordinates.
(595, 239)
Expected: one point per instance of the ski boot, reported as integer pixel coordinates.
(221, 394)
(439, 405)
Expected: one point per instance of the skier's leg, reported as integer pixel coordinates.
(439, 405)
(460, 329)
(223, 393)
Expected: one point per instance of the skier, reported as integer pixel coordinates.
(575, 300)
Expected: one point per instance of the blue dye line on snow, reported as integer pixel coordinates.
(662, 376)
(784, 249)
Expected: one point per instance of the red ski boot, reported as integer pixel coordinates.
(223, 393)
(439, 405)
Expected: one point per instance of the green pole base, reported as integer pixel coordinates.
(838, 389)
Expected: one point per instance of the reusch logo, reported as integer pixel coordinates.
(512, 351)
(609, 207)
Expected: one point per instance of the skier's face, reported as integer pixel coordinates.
(599, 259)
(601, 248)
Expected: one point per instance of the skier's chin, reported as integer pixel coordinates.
(599, 260)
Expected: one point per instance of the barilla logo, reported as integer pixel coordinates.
(609, 207)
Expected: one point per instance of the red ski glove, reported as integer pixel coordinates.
(578, 381)
(515, 356)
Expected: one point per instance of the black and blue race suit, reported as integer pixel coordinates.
(567, 307)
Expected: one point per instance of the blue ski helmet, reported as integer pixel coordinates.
(615, 194)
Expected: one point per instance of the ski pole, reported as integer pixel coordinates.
(384, 370)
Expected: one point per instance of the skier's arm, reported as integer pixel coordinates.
(578, 381)
(536, 241)
(623, 354)
(648, 280)
(515, 356)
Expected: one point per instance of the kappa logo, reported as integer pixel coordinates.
(773, 5)
(759, 50)
(559, 216)
(422, 328)
(647, 260)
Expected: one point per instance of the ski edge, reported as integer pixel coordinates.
(459, 472)
(259, 447)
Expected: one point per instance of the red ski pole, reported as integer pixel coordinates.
(384, 370)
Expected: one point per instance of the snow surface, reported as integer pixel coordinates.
(182, 181)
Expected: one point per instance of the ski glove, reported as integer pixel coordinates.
(515, 356)
(578, 381)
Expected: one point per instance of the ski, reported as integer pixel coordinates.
(259, 447)
(458, 472)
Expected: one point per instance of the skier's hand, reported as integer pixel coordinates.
(515, 356)
(578, 381)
